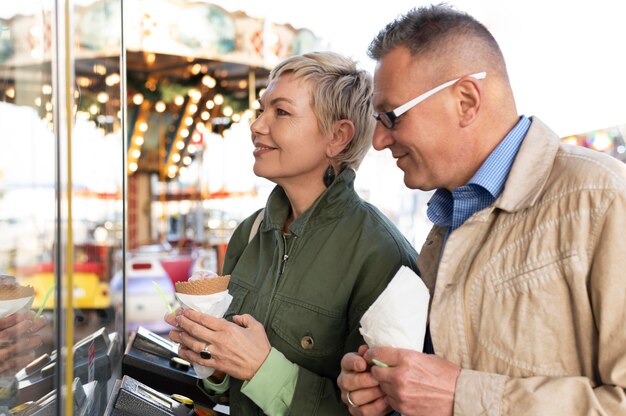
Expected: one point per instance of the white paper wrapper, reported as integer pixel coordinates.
(398, 317)
(215, 305)
(7, 307)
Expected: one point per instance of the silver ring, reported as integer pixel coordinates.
(350, 402)
(205, 353)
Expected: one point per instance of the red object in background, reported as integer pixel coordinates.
(95, 268)
(202, 411)
(221, 254)
(177, 268)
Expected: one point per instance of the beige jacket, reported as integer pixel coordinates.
(530, 293)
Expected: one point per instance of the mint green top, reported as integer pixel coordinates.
(271, 388)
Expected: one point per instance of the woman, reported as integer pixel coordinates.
(321, 255)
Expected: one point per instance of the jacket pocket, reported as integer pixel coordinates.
(309, 331)
(533, 273)
(524, 318)
(240, 294)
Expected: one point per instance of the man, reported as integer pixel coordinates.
(525, 262)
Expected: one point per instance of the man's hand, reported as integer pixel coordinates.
(415, 383)
(366, 397)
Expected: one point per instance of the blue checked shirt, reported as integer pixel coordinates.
(452, 209)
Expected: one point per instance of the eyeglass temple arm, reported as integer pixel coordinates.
(402, 109)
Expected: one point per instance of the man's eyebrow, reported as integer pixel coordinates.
(382, 106)
(382, 103)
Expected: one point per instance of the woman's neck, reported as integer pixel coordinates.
(301, 198)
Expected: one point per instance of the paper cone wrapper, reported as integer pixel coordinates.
(203, 371)
(208, 296)
(8, 307)
(15, 298)
(398, 317)
(215, 305)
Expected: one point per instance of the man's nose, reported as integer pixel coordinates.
(382, 137)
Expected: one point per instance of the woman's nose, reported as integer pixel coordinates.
(258, 126)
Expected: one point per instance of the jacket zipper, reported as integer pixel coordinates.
(285, 256)
(281, 269)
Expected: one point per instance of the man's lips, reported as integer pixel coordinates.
(399, 159)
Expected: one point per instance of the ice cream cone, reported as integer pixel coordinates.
(203, 286)
(10, 292)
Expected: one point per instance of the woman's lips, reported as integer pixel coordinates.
(260, 150)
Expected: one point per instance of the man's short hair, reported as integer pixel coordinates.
(430, 30)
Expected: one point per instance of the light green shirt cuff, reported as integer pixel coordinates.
(273, 386)
(217, 388)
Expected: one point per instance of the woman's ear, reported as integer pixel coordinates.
(343, 132)
(469, 98)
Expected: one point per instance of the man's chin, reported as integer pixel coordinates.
(415, 183)
(409, 183)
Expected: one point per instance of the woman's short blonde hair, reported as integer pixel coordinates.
(339, 91)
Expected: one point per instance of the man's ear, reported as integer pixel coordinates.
(469, 94)
(343, 132)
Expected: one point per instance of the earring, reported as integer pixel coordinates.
(329, 175)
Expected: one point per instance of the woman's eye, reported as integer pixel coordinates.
(281, 112)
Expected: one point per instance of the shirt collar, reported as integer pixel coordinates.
(491, 176)
(495, 169)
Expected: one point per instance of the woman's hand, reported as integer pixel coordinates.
(237, 348)
(18, 340)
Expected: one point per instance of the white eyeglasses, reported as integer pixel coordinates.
(388, 118)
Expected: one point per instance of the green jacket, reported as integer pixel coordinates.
(311, 288)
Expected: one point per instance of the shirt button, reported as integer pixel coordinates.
(307, 342)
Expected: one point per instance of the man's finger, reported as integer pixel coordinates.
(353, 362)
(389, 356)
(362, 350)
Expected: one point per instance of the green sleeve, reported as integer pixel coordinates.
(217, 388)
(273, 386)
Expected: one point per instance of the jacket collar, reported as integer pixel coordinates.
(530, 169)
(328, 206)
(522, 189)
